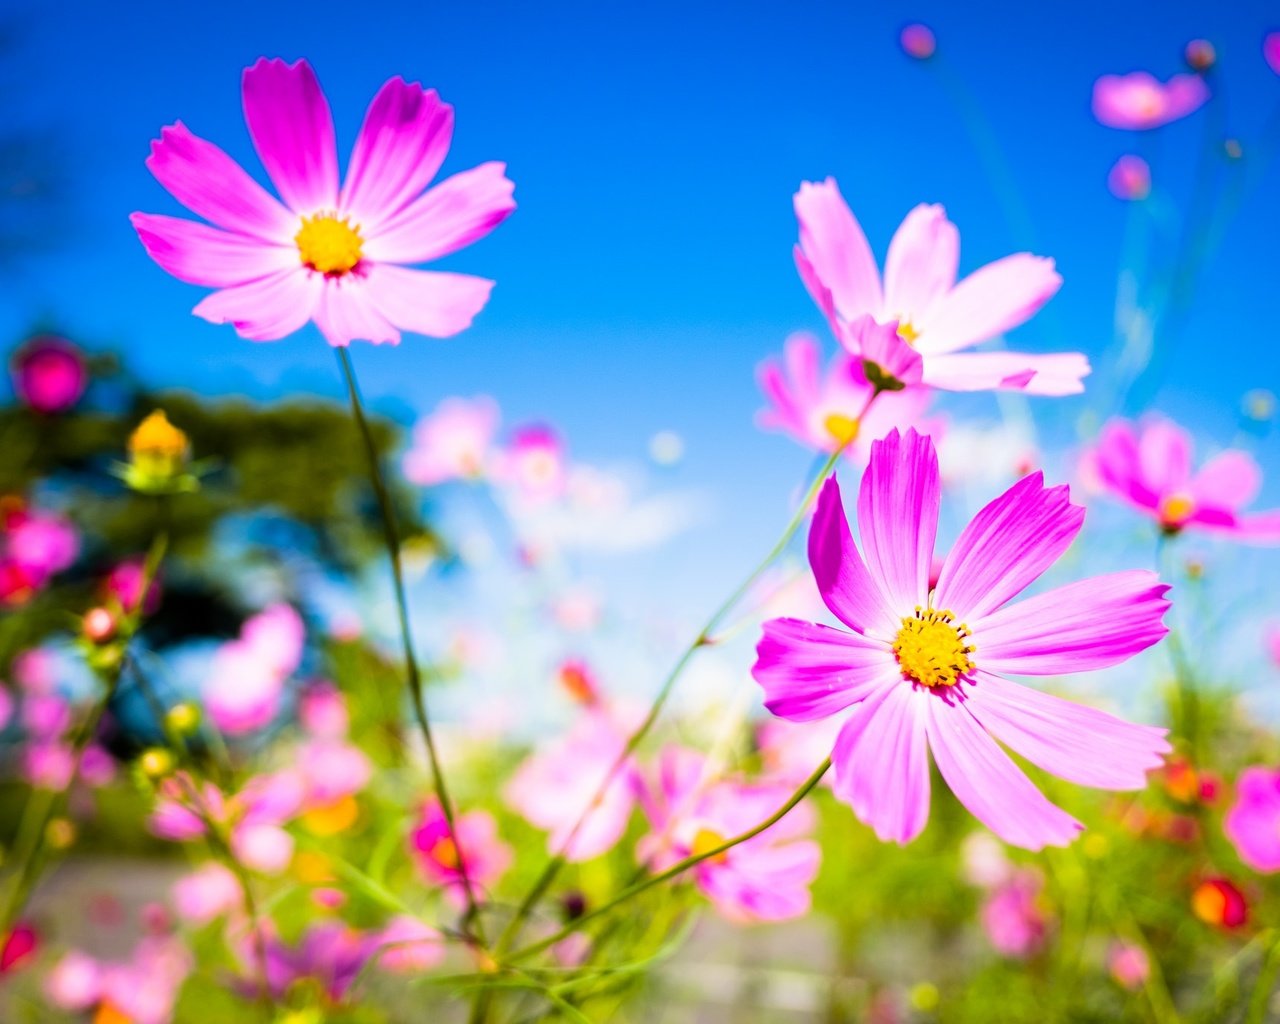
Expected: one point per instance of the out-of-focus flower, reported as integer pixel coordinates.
(48, 764)
(74, 983)
(533, 464)
(1271, 50)
(922, 671)
(932, 315)
(1130, 178)
(666, 448)
(1200, 55)
(918, 41)
(455, 442)
(1271, 638)
(140, 990)
(1012, 915)
(34, 547)
(49, 374)
(765, 878)
(1253, 822)
(1218, 902)
(19, 945)
(330, 955)
(322, 711)
(823, 410)
(407, 946)
(159, 454)
(554, 787)
(1148, 465)
(1128, 964)
(246, 679)
(983, 861)
(790, 751)
(210, 891)
(579, 681)
(334, 256)
(124, 585)
(441, 854)
(1138, 101)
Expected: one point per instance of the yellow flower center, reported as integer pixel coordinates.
(445, 852)
(328, 244)
(1175, 510)
(705, 841)
(843, 428)
(906, 332)
(932, 649)
(332, 818)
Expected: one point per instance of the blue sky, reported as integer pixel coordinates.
(655, 149)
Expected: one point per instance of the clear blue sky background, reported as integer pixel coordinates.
(655, 149)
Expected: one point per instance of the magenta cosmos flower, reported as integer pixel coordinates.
(932, 316)
(1148, 465)
(922, 669)
(435, 849)
(1139, 101)
(335, 255)
(1253, 823)
(1271, 51)
(49, 374)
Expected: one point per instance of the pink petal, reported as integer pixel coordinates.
(347, 312)
(1055, 375)
(1074, 742)
(1120, 464)
(460, 210)
(810, 671)
(292, 131)
(992, 787)
(1229, 480)
(835, 247)
(1164, 451)
(846, 586)
(882, 764)
(1007, 546)
(199, 254)
(268, 308)
(922, 261)
(428, 302)
(803, 360)
(1259, 527)
(898, 517)
(1091, 624)
(402, 143)
(993, 299)
(209, 183)
(880, 345)
(818, 291)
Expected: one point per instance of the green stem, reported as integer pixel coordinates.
(391, 533)
(1266, 983)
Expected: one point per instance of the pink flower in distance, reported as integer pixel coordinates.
(1012, 917)
(436, 850)
(922, 670)
(1253, 822)
(49, 374)
(407, 946)
(534, 464)
(1148, 466)
(1271, 639)
(555, 786)
(1271, 51)
(920, 317)
(1129, 965)
(246, 680)
(1139, 101)
(918, 41)
(455, 442)
(765, 878)
(1130, 178)
(821, 408)
(335, 255)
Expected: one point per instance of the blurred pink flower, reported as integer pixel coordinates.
(1253, 822)
(919, 671)
(407, 946)
(932, 316)
(209, 892)
(1128, 964)
(820, 409)
(34, 546)
(455, 442)
(330, 953)
(97, 767)
(765, 878)
(1012, 917)
(1272, 641)
(1271, 50)
(533, 463)
(1130, 178)
(1148, 465)
(6, 706)
(439, 853)
(1138, 101)
(124, 583)
(918, 41)
(331, 255)
(45, 716)
(1200, 55)
(74, 983)
(331, 769)
(554, 787)
(247, 676)
(49, 374)
(142, 990)
(48, 764)
(35, 670)
(322, 711)
(790, 751)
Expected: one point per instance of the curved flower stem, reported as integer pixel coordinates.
(43, 804)
(676, 869)
(391, 533)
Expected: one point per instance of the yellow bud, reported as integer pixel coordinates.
(59, 834)
(183, 719)
(924, 996)
(156, 763)
(158, 452)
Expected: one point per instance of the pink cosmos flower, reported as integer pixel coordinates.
(48, 764)
(142, 989)
(918, 41)
(454, 442)
(209, 892)
(1272, 640)
(1148, 465)
(407, 946)
(1271, 51)
(436, 850)
(1130, 178)
(767, 877)
(922, 670)
(34, 547)
(555, 786)
(74, 983)
(330, 954)
(49, 374)
(322, 711)
(1128, 964)
(821, 409)
(534, 464)
(1253, 823)
(1012, 916)
(914, 323)
(247, 676)
(124, 584)
(1138, 101)
(328, 254)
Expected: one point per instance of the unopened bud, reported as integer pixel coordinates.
(156, 763)
(100, 625)
(59, 834)
(182, 719)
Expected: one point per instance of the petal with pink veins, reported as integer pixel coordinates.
(993, 299)
(810, 671)
(347, 312)
(1087, 625)
(428, 302)
(292, 130)
(921, 265)
(460, 210)
(199, 254)
(1006, 547)
(847, 588)
(1053, 375)
(266, 309)
(836, 249)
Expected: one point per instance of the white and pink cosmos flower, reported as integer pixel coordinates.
(454, 442)
(1139, 101)
(247, 676)
(441, 853)
(921, 669)
(336, 255)
(915, 322)
(1148, 465)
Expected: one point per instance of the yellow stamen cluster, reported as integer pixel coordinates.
(445, 853)
(705, 841)
(907, 332)
(841, 427)
(932, 648)
(329, 244)
(1175, 510)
